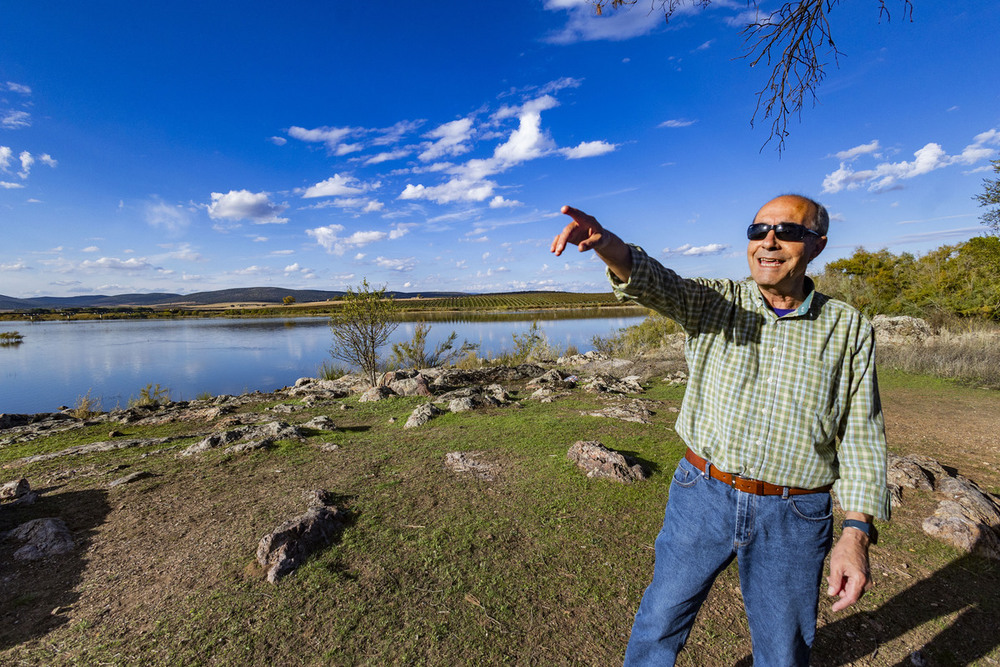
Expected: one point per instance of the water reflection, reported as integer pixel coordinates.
(61, 361)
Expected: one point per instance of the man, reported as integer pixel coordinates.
(781, 406)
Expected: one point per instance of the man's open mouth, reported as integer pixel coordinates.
(769, 261)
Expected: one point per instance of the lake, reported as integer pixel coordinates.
(60, 361)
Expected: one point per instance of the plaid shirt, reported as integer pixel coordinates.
(768, 397)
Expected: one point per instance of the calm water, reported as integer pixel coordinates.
(60, 361)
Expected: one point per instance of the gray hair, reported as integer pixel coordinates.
(821, 221)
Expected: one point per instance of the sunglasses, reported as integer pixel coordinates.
(784, 231)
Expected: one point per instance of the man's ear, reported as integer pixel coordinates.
(818, 248)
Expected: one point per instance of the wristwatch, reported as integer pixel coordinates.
(865, 527)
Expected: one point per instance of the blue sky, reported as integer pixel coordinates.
(192, 146)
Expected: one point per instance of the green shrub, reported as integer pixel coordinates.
(86, 406)
(150, 395)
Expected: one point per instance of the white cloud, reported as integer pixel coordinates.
(401, 229)
(379, 158)
(278, 141)
(239, 205)
(17, 266)
(174, 219)
(457, 189)
(402, 265)
(92, 248)
(689, 250)
(329, 237)
(15, 120)
(253, 270)
(133, 264)
(7, 185)
(887, 175)
(333, 137)
(336, 186)
(500, 202)
(18, 88)
(589, 149)
(450, 139)
(292, 268)
(585, 25)
(677, 122)
(852, 154)
(5, 156)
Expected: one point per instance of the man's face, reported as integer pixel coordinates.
(780, 266)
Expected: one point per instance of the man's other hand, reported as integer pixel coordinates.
(849, 576)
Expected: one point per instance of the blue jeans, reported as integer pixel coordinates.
(780, 544)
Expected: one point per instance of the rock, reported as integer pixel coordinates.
(128, 479)
(634, 411)
(15, 489)
(43, 538)
(422, 415)
(901, 329)
(328, 447)
(376, 394)
(411, 386)
(289, 545)
(286, 408)
(610, 384)
(599, 461)
(253, 436)
(966, 517)
(553, 379)
(106, 446)
(471, 463)
(321, 423)
(465, 404)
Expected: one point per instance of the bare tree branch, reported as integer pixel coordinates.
(793, 41)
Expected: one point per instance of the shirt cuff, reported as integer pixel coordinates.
(864, 497)
(638, 277)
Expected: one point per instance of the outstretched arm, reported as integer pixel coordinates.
(586, 233)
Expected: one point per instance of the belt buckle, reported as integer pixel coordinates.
(748, 485)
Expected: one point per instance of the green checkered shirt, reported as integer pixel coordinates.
(768, 398)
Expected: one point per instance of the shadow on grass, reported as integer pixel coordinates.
(34, 595)
(968, 586)
(651, 467)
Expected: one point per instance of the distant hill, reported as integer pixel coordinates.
(237, 295)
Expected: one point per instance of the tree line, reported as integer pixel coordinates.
(951, 282)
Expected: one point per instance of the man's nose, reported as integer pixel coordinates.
(771, 240)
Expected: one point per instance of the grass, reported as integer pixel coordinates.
(542, 566)
(971, 357)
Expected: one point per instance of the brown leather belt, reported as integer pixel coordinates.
(754, 486)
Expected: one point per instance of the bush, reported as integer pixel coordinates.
(649, 335)
(86, 406)
(413, 353)
(150, 395)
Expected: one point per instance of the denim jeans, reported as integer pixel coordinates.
(780, 544)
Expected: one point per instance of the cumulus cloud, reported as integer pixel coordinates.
(337, 186)
(91, 248)
(334, 138)
(7, 185)
(688, 250)
(330, 238)
(500, 202)
(589, 149)
(237, 205)
(278, 141)
(450, 139)
(887, 175)
(18, 88)
(401, 229)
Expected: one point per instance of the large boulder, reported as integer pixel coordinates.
(422, 415)
(901, 329)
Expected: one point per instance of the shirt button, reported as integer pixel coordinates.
(770, 380)
(759, 442)
(763, 411)
(774, 349)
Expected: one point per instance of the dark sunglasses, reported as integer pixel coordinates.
(784, 231)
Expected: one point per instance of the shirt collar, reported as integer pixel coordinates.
(803, 308)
